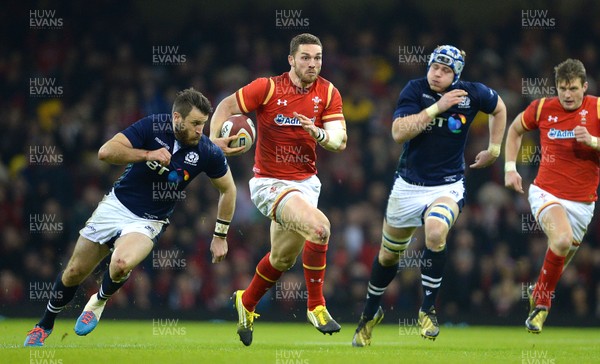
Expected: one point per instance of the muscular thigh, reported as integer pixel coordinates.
(86, 256)
(132, 248)
(284, 242)
(299, 215)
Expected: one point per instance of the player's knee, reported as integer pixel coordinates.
(391, 249)
(119, 268)
(387, 259)
(320, 231)
(73, 275)
(438, 221)
(435, 238)
(563, 242)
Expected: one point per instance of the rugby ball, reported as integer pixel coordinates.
(239, 125)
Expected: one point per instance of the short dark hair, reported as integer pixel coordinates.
(304, 38)
(187, 99)
(569, 70)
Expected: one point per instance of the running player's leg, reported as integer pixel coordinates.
(285, 248)
(310, 223)
(86, 256)
(554, 221)
(130, 250)
(572, 250)
(439, 218)
(300, 215)
(394, 242)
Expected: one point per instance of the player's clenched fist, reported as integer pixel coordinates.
(161, 155)
(582, 135)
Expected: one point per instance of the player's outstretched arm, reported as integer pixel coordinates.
(497, 119)
(119, 150)
(225, 209)
(227, 107)
(512, 179)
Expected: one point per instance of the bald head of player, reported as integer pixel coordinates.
(305, 59)
(190, 113)
(571, 83)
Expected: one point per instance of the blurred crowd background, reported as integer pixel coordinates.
(99, 59)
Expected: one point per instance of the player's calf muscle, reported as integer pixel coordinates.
(283, 261)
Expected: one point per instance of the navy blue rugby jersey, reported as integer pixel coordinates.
(150, 190)
(436, 156)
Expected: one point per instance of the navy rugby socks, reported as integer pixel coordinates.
(381, 277)
(432, 269)
(60, 296)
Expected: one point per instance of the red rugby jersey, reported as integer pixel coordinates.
(283, 149)
(568, 169)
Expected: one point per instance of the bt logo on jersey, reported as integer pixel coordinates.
(455, 122)
(154, 165)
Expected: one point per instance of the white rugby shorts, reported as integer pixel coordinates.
(270, 194)
(112, 219)
(407, 202)
(579, 213)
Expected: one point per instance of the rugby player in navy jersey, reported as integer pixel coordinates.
(163, 154)
(431, 120)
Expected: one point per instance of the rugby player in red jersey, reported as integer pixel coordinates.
(563, 194)
(295, 111)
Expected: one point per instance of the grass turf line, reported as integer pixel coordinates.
(174, 341)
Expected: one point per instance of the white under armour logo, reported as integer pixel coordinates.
(553, 118)
(281, 102)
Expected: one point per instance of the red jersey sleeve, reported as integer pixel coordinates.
(333, 107)
(531, 115)
(254, 94)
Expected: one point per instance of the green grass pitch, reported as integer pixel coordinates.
(174, 341)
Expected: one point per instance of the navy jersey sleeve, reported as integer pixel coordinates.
(138, 132)
(408, 102)
(488, 98)
(217, 163)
